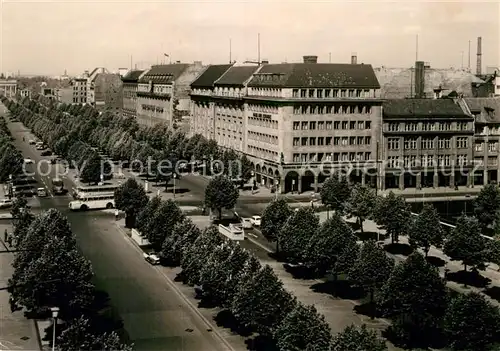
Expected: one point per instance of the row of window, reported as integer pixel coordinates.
(424, 161)
(332, 93)
(492, 146)
(272, 92)
(263, 122)
(262, 153)
(337, 141)
(426, 143)
(427, 126)
(331, 109)
(266, 138)
(329, 125)
(152, 108)
(332, 157)
(263, 108)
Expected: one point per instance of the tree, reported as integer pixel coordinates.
(290, 333)
(347, 258)
(353, 338)
(221, 193)
(494, 251)
(372, 268)
(471, 322)
(274, 218)
(183, 235)
(161, 226)
(336, 192)
(466, 244)
(393, 213)
(262, 303)
(11, 162)
(19, 204)
(416, 295)
(361, 203)
(212, 274)
(131, 198)
(328, 243)
(487, 205)
(297, 232)
(80, 335)
(426, 229)
(147, 213)
(91, 169)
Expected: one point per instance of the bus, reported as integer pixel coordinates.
(84, 191)
(93, 202)
(57, 186)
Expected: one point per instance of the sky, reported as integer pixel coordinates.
(49, 37)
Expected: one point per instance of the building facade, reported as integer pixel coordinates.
(8, 87)
(163, 92)
(64, 95)
(426, 143)
(202, 106)
(79, 90)
(107, 93)
(130, 82)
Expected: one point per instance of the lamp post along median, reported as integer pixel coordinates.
(174, 175)
(55, 313)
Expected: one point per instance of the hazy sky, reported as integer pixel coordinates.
(46, 37)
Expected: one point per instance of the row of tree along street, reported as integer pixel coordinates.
(230, 277)
(49, 271)
(412, 294)
(79, 133)
(11, 160)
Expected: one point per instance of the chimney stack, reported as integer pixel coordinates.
(419, 79)
(310, 59)
(354, 58)
(479, 61)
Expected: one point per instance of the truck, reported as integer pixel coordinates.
(233, 231)
(139, 238)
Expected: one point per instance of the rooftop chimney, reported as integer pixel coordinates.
(479, 63)
(354, 58)
(419, 79)
(310, 59)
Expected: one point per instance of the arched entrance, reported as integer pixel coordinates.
(264, 180)
(291, 182)
(257, 174)
(308, 181)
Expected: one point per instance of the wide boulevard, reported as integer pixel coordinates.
(155, 316)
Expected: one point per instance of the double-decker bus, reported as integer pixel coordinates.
(93, 202)
(57, 186)
(85, 191)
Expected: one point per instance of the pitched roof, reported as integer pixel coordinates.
(488, 109)
(399, 83)
(316, 75)
(236, 75)
(422, 108)
(164, 73)
(132, 76)
(210, 75)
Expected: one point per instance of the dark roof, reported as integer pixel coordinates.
(316, 75)
(487, 108)
(132, 76)
(164, 73)
(236, 75)
(210, 75)
(422, 108)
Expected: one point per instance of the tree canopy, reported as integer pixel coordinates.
(426, 229)
(274, 218)
(297, 232)
(335, 192)
(361, 203)
(131, 198)
(393, 214)
(220, 193)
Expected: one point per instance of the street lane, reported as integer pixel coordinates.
(155, 317)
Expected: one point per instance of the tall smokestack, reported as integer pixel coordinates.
(354, 58)
(479, 61)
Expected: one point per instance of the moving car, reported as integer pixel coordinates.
(246, 223)
(32, 142)
(153, 259)
(28, 161)
(5, 203)
(256, 221)
(41, 192)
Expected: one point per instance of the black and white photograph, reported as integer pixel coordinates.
(262, 175)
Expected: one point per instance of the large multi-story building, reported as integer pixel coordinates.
(107, 92)
(130, 82)
(163, 92)
(8, 87)
(298, 122)
(426, 143)
(79, 90)
(202, 105)
(486, 112)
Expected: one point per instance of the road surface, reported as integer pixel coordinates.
(155, 316)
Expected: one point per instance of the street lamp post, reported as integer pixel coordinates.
(55, 313)
(174, 175)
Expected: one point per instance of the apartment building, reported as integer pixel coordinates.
(107, 92)
(202, 104)
(130, 83)
(79, 90)
(163, 92)
(426, 143)
(486, 112)
(8, 87)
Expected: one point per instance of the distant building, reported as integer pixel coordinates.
(421, 81)
(8, 87)
(163, 92)
(107, 92)
(79, 90)
(25, 93)
(64, 95)
(130, 83)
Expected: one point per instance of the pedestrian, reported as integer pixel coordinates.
(117, 215)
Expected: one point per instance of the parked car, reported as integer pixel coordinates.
(46, 153)
(32, 142)
(246, 223)
(28, 161)
(41, 192)
(5, 203)
(256, 221)
(153, 259)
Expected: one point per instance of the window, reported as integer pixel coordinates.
(427, 160)
(336, 125)
(352, 125)
(479, 147)
(296, 157)
(462, 160)
(462, 142)
(368, 125)
(361, 140)
(444, 143)
(296, 141)
(361, 125)
(427, 143)
(368, 140)
(296, 125)
(295, 93)
(492, 161)
(321, 125)
(352, 140)
(304, 125)
(344, 124)
(351, 92)
(312, 125)
(329, 125)
(321, 141)
(411, 127)
(393, 127)
(302, 93)
(312, 141)
(393, 161)
(304, 142)
(328, 141)
(462, 125)
(444, 126)
(311, 93)
(393, 143)
(410, 143)
(368, 156)
(336, 156)
(492, 146)
(319, 94)
(336, 141)
(345, 141)
(358, 93)
(327, 93)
